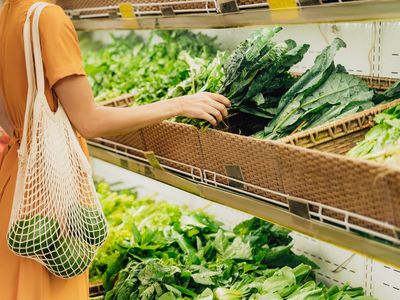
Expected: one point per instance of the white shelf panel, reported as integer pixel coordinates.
(388, 49)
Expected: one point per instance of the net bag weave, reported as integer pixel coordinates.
(56, 217)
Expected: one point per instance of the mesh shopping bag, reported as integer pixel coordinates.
(56, 217)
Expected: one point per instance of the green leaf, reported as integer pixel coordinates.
(207, 294)
(281, 279)
(167, 296)
(227, 294)
(238, 250)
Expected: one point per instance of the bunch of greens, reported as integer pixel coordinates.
(161, 251)
(147, 69)
(125, 211)
(203, 77)
(257, 73)
(382, 142)
(324, 93)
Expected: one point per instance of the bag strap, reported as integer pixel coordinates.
(32, 58)
(37, 50)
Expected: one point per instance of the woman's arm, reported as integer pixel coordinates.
(91, 121)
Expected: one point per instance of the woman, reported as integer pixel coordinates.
(25, 279)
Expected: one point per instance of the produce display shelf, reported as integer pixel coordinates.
(209, 16)
(122, 101)
(319, 226)
(96, 289)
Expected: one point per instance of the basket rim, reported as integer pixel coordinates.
(291, 139)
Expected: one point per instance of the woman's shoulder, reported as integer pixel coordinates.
(53, 15)
(54, 23)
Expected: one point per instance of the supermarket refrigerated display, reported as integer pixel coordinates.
(376, 62)
(202, 156)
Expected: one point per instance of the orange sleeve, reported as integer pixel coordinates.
(60, 47)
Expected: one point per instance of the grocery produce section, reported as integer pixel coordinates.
(335, 267)
(311, 143)
(164, 251)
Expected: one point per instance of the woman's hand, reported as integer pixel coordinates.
(206, 106)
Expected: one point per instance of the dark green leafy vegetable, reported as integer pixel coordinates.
(257, 73)
(322, 94)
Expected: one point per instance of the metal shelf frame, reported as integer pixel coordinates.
(198, 184)
(363, 10)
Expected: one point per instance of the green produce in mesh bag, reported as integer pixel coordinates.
(94, 226)
(68, 258)
(33, 236)
(91, 225)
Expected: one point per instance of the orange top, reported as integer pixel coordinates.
(21, 278)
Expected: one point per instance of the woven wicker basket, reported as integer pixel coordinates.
(338, 136)
(358, 185)
(257, 160)
(355, 186)
(379, 83)
(133, 139)
(176, 142)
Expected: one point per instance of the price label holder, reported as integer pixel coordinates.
(113, 14)
(123, 163)
(309, 2)
(75, 15)
(167, 11)
(128, 15)
(299, 208)
(227, 6)
(153, 161)
(234, 172)
(283, 10)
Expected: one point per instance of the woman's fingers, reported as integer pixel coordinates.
(207, 106)
(209, 118)
(219, 106)
(214, 112)
(219, 98)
